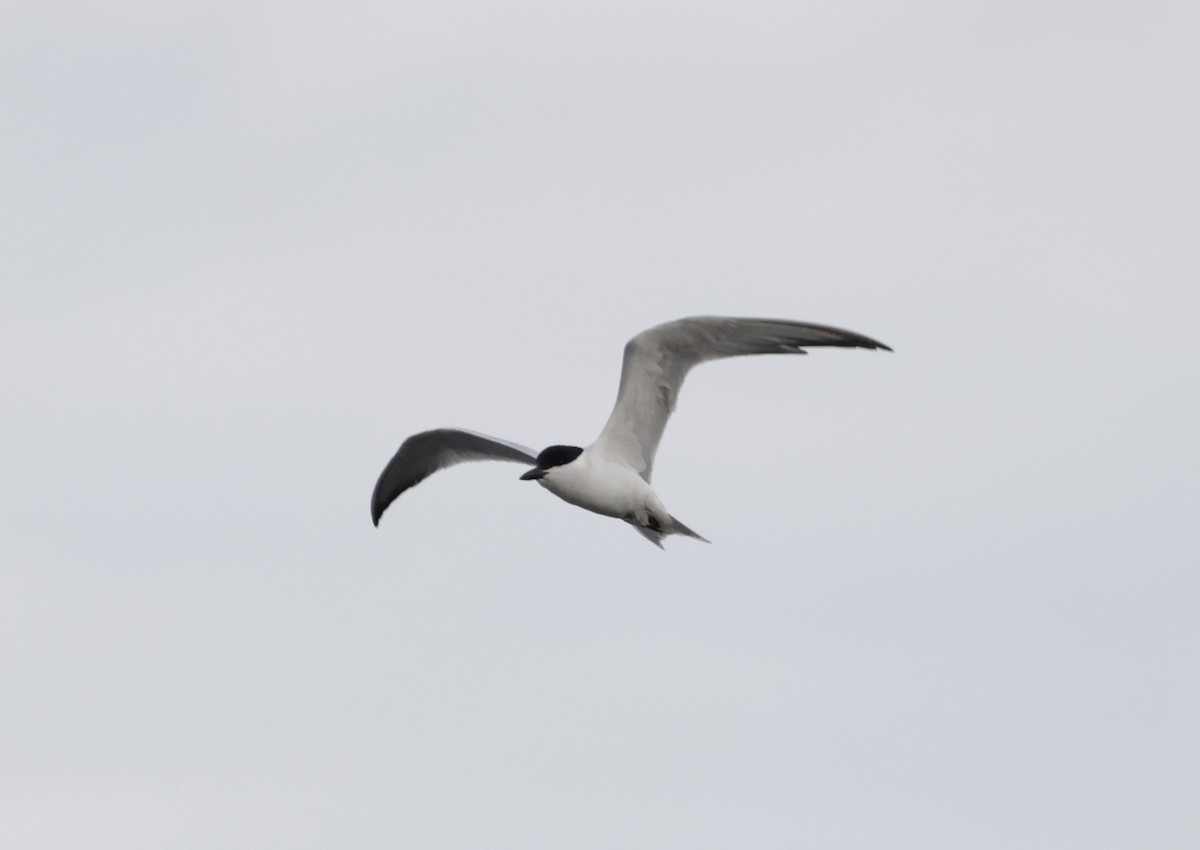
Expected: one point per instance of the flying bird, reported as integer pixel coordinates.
(612, 475)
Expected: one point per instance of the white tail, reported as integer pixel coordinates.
(678, 527)
(656, 535)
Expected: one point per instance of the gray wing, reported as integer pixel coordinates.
(657, 360)
(423, 454)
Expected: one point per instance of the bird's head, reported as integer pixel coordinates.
(550, 458)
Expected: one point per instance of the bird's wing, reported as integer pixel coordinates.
(657, 360)
(423, 454)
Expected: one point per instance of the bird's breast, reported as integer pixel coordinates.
(607, 489)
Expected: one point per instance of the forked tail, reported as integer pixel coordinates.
(655, 533)
(678, 527)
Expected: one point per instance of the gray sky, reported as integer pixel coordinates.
(952, 595)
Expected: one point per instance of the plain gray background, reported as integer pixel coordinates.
(951, 601)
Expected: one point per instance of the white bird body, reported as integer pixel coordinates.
(612, 476)
(603, 486)
(613, 488)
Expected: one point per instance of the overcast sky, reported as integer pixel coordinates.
(951, 599)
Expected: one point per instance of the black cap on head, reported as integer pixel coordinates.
(557, 456)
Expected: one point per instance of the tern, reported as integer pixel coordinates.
(612, 476)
